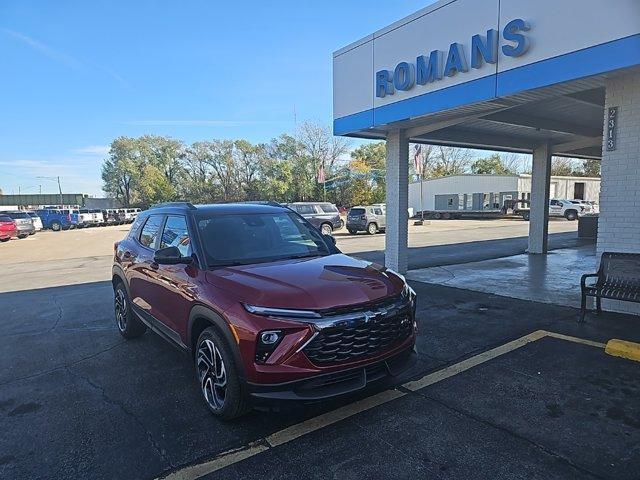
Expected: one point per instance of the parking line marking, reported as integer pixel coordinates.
(569, 338)
(473, 361)
(301, 429)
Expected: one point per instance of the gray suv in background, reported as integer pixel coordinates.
(322, 215)
(24, 223)
(370, 219)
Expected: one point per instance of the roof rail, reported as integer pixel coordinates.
(262, 202)
(189, 205)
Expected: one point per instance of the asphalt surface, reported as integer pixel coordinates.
(77, 401)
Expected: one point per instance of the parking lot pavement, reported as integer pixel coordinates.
(51, 259)
(76, 401)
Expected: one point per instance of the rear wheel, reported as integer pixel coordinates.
(352, 231)
(571, 215)
(372, 228)
(129, 325)
(437, 215)
(55, 226)
(446, 216)
(326, 229)
(526, 216)
(217, 375)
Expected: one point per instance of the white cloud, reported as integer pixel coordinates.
(92, 150)
(61, 57)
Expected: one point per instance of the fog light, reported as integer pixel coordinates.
(270, 337)
(267, 343)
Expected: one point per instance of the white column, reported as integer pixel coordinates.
(397, 201)
(540, 182)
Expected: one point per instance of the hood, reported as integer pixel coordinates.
(310, 283)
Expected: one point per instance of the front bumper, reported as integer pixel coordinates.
(335, 384)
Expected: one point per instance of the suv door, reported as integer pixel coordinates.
(175, 291)
(380, 217)
(140, 269)
(309, 212)
(555, 208)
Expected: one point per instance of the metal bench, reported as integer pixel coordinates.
(618, 278)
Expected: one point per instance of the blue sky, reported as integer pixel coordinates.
(76, 74)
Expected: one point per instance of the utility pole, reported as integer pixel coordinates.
(60, 190)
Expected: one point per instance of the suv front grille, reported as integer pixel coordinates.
(364, 333)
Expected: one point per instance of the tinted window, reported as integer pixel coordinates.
(328, 208)
(377, 211)
(255, 238)
(356, 211)
(150, 231)
(18, 215)
(176, 234)
(305, 209)
(5, 218)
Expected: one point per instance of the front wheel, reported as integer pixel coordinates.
(526, 216)
(55, 226)
(571, 215)
(372, 229)
(352, 231)
(326, 229)
(129, 325)
(217, 375)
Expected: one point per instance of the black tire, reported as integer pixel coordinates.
(326, 229)
(22, 237)
(571, 215)
(128, 324)
(446, 216)
(228, 401)
(56, 226)
(526, 216)
(437, 215)
(352, 231)
(372, 228)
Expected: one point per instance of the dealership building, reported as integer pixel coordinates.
(545, 78)
(474, 193)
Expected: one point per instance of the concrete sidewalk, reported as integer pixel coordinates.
(552, 278)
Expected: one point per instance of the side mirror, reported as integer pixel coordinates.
(330, 239)
(171, 256)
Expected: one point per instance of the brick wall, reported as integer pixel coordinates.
(619, 223)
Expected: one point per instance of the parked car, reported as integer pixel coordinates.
(557, 208)
(268, 307)
(98, 217)
(24, 224)
(85, 218)
(588, 205)
(37, 222)
(370, 219)
(55, 219)
(8, 228)
(322, 215)
(110, 216)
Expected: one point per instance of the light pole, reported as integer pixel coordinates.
(59, 187)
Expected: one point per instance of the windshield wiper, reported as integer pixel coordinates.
(308, 255)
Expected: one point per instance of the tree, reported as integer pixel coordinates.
(121, 172)
(561, 166)
(591, 168)
(368, 162)
(449, 161)
(493, 165)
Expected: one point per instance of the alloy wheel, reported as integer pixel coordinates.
(212, 374)
(121, 309)
(326, 229)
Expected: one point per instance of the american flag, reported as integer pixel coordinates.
(321, 177)
(417, 163)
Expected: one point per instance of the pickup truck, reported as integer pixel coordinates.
(557, 208)
(57, 219)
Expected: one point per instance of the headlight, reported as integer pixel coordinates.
(281, 312)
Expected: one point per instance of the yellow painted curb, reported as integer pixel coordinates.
(624, 349)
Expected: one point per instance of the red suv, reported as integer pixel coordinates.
(268, 307)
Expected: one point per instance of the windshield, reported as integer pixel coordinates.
(256, 238)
